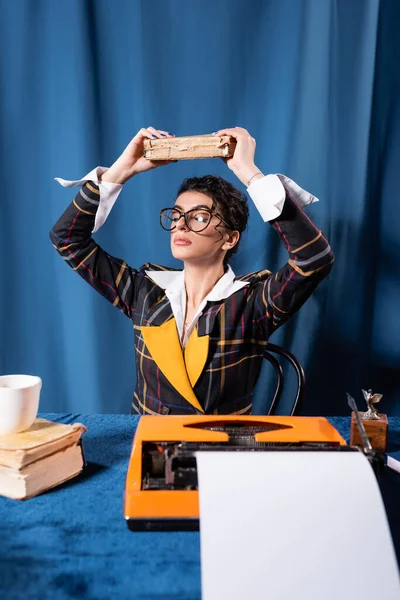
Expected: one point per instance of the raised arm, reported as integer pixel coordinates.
(72, 234)
(279, 200)
(280, 295)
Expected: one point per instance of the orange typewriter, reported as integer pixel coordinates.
(161, 490)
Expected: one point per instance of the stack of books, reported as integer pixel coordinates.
(40, 458)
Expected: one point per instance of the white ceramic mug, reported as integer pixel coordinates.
(19, 402)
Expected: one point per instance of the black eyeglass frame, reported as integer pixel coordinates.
(184, 215)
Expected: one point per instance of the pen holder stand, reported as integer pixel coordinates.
(376, 430)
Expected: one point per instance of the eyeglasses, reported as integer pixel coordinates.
(196, 219)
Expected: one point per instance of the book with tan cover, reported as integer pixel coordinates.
(40, 458)
(39, 476)
(189, 147)
(43, 438)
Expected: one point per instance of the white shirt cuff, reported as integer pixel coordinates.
(268, 194)
(109, 192)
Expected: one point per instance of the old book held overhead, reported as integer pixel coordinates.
(190, 147)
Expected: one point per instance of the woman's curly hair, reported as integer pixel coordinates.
(230, 202)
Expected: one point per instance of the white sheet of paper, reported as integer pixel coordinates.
(293, 525)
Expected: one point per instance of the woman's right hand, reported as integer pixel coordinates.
(131, 162)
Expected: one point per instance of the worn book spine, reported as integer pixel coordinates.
(21, 484)
(18, 459)
(189, 147)
(42, 439)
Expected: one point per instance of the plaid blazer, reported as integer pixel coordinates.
(218, 369)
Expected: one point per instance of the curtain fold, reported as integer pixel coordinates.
(316, 82)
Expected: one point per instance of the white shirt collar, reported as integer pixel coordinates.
(174, 281)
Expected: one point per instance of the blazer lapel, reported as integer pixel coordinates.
(196, 353)
(165, 348)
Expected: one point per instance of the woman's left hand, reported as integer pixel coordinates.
(242, 161)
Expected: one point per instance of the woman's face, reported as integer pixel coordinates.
(209, 245)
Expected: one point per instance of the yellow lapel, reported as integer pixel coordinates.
(165, 348)
(196, 353)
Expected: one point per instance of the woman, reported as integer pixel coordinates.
(200, 333)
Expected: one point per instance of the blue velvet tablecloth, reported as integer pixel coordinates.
(73, 541)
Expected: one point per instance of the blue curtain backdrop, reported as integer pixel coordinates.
(315, 81)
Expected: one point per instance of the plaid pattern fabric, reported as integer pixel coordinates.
(235, 329)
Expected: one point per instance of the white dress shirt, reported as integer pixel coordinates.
(268, 194)
(173, 282)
